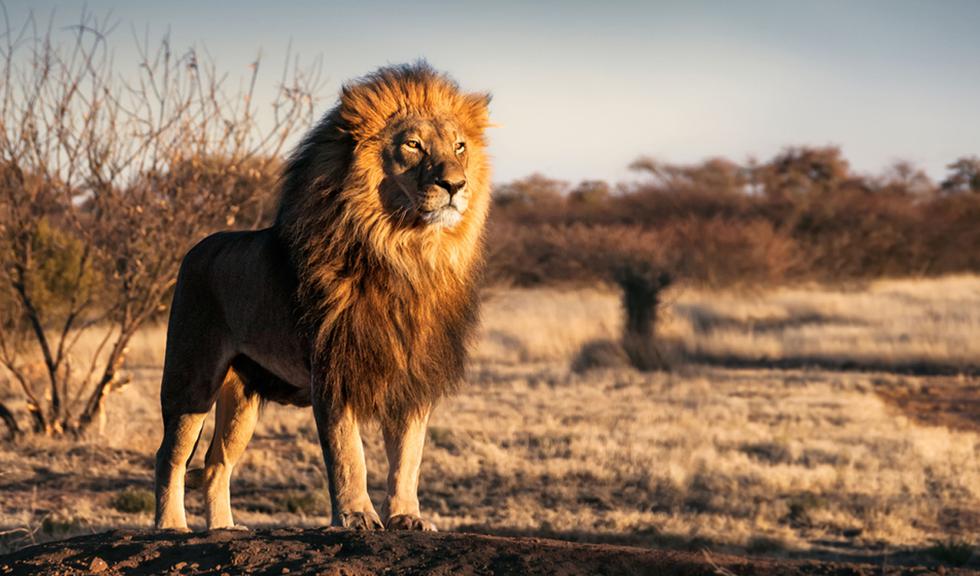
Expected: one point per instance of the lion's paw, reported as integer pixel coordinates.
(410, 522)
(361, 521)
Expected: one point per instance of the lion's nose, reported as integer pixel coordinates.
(451, 186)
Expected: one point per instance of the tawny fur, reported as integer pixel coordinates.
(389, 304)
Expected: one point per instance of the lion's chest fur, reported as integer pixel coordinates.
(388, 342)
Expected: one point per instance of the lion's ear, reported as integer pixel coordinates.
(475, 109)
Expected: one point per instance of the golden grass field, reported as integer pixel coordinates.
(811, 460)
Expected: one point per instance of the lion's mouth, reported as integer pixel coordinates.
(445, 216)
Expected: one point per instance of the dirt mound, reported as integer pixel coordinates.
(339, 552)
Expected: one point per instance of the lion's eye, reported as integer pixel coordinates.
(413, 144)
(460, 147)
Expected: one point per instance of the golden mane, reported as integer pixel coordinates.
(388, 305)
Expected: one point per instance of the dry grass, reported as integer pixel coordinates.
(763, 460)
(900, 323)
(884, 324)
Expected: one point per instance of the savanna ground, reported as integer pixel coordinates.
(808, 422)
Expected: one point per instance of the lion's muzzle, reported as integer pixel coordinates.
(445, 202)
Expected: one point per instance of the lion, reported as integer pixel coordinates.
(359, 300)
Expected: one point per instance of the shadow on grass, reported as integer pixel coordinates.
(910, 368)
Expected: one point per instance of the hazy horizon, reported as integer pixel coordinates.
(580, 90)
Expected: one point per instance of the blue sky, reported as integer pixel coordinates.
(582, 88)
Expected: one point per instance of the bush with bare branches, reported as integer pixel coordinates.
(105, 181)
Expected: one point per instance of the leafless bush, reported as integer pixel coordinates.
(105, 180)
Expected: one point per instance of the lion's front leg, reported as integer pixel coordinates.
(404, 440)
(343, 453)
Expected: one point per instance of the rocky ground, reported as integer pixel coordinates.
(339, 552)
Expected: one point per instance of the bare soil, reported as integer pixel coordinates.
(340, 552)
(951, 402)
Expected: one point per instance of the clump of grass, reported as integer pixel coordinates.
(61, 525)
(134, 501)
(801, 508)
(769, 451)
(311, 503)
(667, 496)
(764, 545)
(600, 354)
(952, 551)
(447, 439)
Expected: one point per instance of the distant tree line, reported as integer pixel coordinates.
(802, 216)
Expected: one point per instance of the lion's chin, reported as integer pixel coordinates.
(445, 217)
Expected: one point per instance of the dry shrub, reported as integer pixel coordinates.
(851, 233)
(951, 240)
(713, 252)
(722, 252)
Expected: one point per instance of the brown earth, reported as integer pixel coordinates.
(952, 402)
(338, 552)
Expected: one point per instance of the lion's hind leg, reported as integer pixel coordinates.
(180, 435)
(186, 398)
(235, 417)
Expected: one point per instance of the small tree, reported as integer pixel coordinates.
(104, 184)
(535, 198)
(642, 285)
(590, 193)
(715, 175)
(642, 263)
(964, 176)
(804, 172)
(904, 178)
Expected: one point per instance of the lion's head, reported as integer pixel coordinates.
(382, 210)
(400, 163)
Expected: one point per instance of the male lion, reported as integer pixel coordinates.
(359, 300)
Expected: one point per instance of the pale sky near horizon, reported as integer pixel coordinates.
(583, 88)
